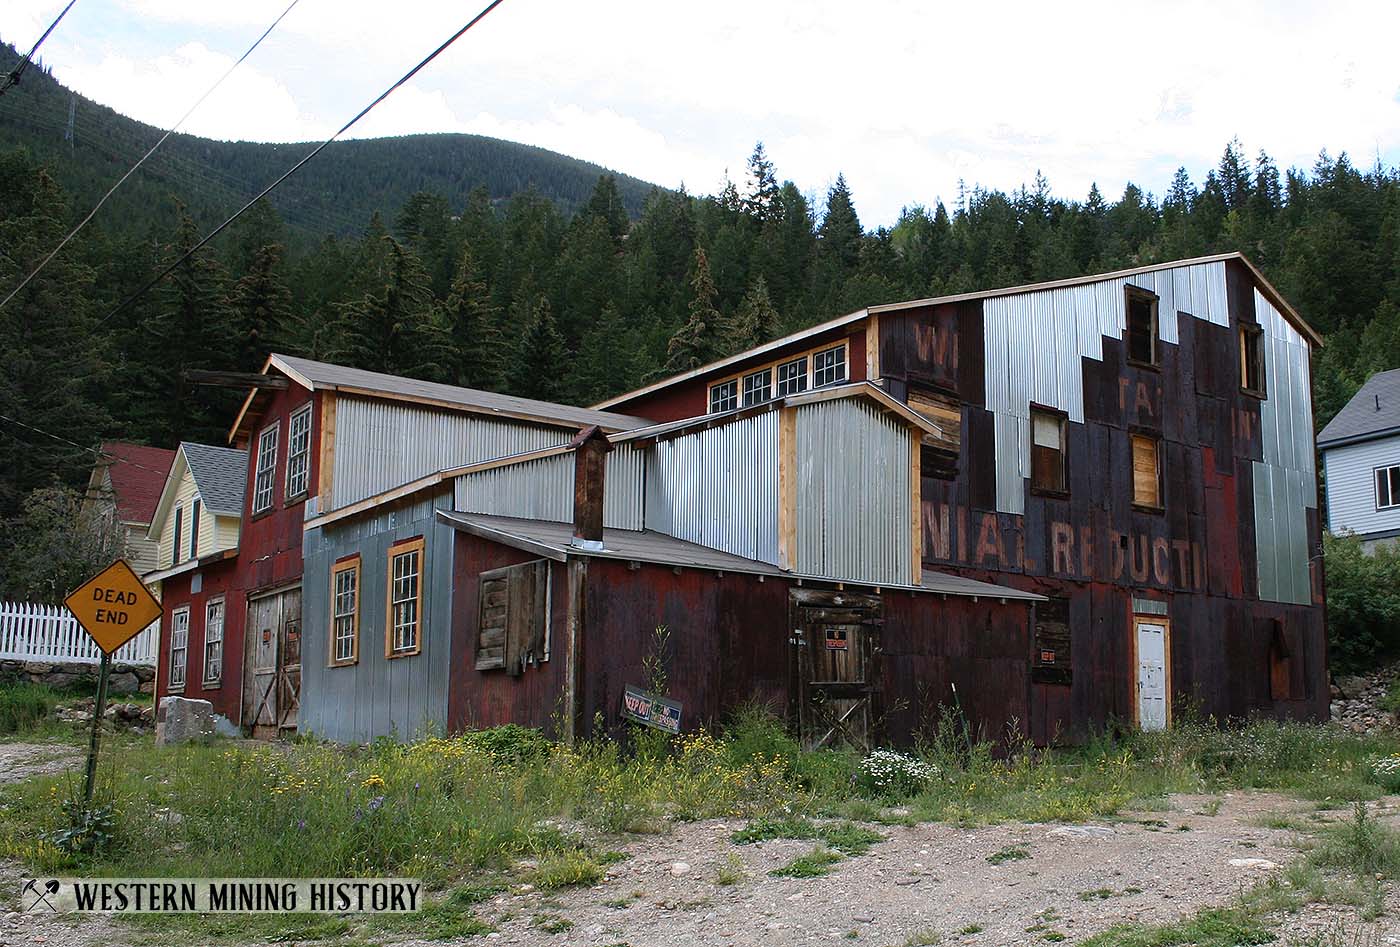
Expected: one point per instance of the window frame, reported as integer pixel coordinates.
(799, 381)
(217, 681)
(183, 650)
(194, 528)
(178, 539)
(808, 376)
(1390, 486)
(288, 494)
(1062, 419)
(747, 392)
(348, 564)
(274, 431)
(843, 362)
(1251, 333)
(1153, 300)
(404, 547)
(721, 403)
(1156, 440)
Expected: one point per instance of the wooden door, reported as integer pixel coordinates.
(1153, 712)
(272, 672)
(836, 667)
(289, 662)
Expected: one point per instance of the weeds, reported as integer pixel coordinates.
(814, 864)
(24, 706)
(845, 837)
(1008, 854)
(731, 872)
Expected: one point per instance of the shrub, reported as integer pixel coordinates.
(1363, 601)
(1387, 773)
(23, 706)
(889, 774)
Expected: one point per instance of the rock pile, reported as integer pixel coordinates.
(139, 718)
(1357, 698)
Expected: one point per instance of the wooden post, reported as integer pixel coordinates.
(98, 710)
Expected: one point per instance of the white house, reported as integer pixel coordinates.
(1361, 462)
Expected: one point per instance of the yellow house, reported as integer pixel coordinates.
(199, 509)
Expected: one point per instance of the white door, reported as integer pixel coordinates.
(1152, 675)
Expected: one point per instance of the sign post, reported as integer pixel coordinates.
(113, 607)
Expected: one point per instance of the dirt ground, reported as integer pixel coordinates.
(1060, 884)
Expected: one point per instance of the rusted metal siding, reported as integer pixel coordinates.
(853, 489)
(384, 444)
(544, 489)
(719, 487)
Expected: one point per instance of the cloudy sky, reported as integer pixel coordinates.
(906, 98)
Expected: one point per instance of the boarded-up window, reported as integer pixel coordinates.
(1287, 680)
(1252, 359)
(1048, 466)
(939, 451)
(1050, 664)
(511, 617)
(1147, 472)
(1141, 326)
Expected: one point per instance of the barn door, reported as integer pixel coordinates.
(836, 680)
(272, 676)
(1152, 696)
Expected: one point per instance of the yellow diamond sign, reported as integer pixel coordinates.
(114, 606)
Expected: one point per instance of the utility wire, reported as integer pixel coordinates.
(101, 454)
(297, 167)
(12, 77)
(132, 170)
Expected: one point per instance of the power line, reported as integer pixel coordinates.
(99, 452)
(296, 167)
(132, 170)
(12, 78)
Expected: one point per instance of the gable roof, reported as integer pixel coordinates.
(220, 474)
(325, 376)
(853, 318)
(1374, 411)
(138, 474)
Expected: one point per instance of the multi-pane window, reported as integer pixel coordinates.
(758, 387)
(179, 646)
(175, 544)
(214, 643)
(345, 611)
(1387, 487)
(792, 377)
(1147, 472)
(1252, 359)
(724, 396)
(1048, 467)
(266, 470)
(405, 597)
(194, 528)
(829, 366)
(298, 452)
(1142, 326)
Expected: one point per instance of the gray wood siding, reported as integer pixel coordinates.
(1351, 486)
(403, 697)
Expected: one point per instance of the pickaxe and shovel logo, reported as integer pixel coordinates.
(41, 894)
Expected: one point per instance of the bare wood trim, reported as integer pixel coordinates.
(872, 349)
(349, 564)
(460, 408)
(325, 463)
(787, 489)
(215, 379)
(573, 633)
(379, 499)
(522, 458)
(502, 537)
(876, 394)
(808, 354)
(400, 548)
(1166, 624)
(916, 510)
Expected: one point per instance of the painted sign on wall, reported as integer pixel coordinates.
(647, 708)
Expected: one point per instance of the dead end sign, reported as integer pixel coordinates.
(113, 606)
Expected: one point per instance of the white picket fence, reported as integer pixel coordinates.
(50, 633)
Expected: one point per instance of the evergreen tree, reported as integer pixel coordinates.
(262, 308)
(473, 323)
(540, 369)
(754, 322)
(696, 343)
(397, 327)
(761, 201)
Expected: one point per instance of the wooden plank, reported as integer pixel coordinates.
(218, 379)
(872, 349)
(787, 489)
(325, 465)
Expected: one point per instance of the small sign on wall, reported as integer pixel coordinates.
(647, 708)
(836, 639)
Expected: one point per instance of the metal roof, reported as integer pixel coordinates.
(552, 540)
(220, 474)
(1372, 412)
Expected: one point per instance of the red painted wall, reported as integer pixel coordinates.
(216, 580)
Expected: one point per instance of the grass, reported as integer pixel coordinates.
(731, 872)
(25, 706)
(1009, 854)
(814, 864)
(845, 837)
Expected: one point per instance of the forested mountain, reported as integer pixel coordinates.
(526, 296)
(334, 194)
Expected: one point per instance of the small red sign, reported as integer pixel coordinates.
(835, 639)
(1047, 657)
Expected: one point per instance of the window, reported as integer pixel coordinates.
(345, 611)
(179, 532)
(405, 598)
(298, 452)
(214, 643)
(1147, 472)
(194, 528)
(1048, 467)
(1387, 487)
(829, 366)
(1050, 663)
(724, 396)
(266, 470)
(179, 646)
(939, 452)
(510, 625)
(758, 387)
(1142, 326)
(1252, 360)
(792, 377)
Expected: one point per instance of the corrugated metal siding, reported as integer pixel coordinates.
(544, 489)
(1351, 486)
(1284, 481)
(403, 697)
(853, 493)
(1035, 342)
(719, 487)
(384, 444)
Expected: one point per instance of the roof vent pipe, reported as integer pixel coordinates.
(590, 447)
